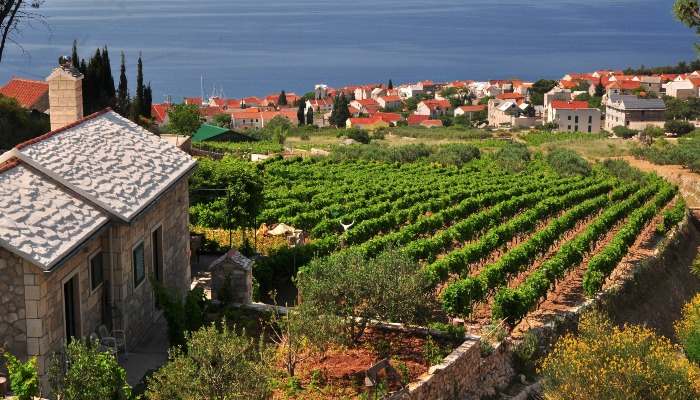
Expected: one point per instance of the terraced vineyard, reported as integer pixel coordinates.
(487, 239)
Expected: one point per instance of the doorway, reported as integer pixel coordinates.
(71, 308)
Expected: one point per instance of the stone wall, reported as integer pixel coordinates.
(464, 374)
(136, 303)
(13, 325)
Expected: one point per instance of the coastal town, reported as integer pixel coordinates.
(633, 101)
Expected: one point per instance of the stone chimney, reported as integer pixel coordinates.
(65, 94)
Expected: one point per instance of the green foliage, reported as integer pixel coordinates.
(432, 352)
(90, 374)
(685, 152)
(622, 169)
(537, 138)
(594, 365)
(688, 329)
(456, 154)
(184, 119)
(539, 88)
(222, 120)
(678, 127)
(17, 124)
(303, 332)
(390, 287)
(360, 135)
(219, 364)
(24, 380)
(340, 112)
(525, 355)
(682, 109)
(513, 157)
(624, 132)
(260, 147)
(568, 163)
(225, 193)
(181, 316)
(687, 12)
(672, 216)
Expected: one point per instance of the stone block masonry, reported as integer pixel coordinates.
(464, 374)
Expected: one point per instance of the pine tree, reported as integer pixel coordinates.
(310, 116)
(123, 91)
(300, 113)
(282, 99)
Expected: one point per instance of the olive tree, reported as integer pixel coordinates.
(389, 287)
(219, 364)
(184, 119)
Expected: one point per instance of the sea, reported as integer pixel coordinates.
(239, 48)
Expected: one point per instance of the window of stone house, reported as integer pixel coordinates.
(590, 119)
(569, 118)
(139, 264)
(576, 128)
(96, 271)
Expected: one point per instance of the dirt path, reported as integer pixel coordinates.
(688, 182)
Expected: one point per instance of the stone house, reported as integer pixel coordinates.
(239, 268)
(634, 113)
(90, 211)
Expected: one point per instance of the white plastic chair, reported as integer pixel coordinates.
(106, 345)
(118, 337)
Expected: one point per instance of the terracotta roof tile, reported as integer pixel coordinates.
(27, 92)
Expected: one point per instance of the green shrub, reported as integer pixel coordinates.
(568, 163)
(514, 156)
(688, 329)
(525, 355)
(624, 132)
(90, 374)
(24, 379)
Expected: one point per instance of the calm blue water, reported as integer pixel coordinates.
(254, 48)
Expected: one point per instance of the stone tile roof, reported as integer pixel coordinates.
(40, 220)
(109, 160)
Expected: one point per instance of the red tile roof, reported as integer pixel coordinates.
(415, 119)
(574, 105)
(514, 96)
(27, 92)
(476, 108)
(431, 122)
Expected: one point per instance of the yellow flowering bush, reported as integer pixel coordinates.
(608, 363)
(688, 329)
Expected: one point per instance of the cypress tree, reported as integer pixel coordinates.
(75, 61)
(282, 99)
(147, 101)
(340, 112)
(599, 89)
(391, 85)
(107, 78)
(300, 113)
(310, 116)
(123, 90)
(137, 106)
